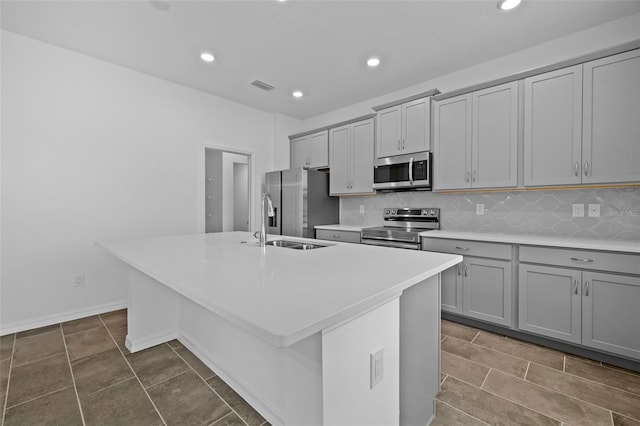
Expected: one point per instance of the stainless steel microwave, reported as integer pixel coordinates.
(403, 172)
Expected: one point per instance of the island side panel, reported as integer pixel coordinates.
(283, 384)
(152, 312)
(346, 349)
(419, 351)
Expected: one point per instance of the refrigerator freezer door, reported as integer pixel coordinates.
(294, 215)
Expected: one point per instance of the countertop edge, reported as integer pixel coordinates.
(621, 246)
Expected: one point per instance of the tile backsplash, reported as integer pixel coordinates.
(545, 212)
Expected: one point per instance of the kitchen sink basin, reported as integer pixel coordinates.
(296, 245)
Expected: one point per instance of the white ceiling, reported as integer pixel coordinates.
(319, 47)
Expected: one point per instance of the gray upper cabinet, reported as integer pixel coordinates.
(476, 139)
(404, 128)
(611, 124)
(310, 151)
(351, 158)
(553, 128)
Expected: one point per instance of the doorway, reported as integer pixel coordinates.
(227, 190)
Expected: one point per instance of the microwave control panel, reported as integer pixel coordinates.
(420, 170)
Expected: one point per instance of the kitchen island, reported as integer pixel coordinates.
(344, 334)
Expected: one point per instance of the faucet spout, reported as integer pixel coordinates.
(262, 239)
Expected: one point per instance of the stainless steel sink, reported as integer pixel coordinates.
(296, 245)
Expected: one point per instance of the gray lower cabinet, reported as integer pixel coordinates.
(550, 302)
(335, 235)
(481, 286)
(579, 305)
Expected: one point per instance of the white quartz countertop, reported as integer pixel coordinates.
(338, 227)
(279, 294)
(563, 242)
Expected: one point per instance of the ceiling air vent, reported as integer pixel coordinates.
(262, 85)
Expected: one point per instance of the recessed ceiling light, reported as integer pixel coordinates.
(373, 62)
(297, 94)
(508, 4)
(207, 57)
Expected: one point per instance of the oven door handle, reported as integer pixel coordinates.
(372, 237)
(396, 244)
(411, 171)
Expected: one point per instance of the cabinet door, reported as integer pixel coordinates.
(452, 143)
(415, 125)
(495, 137)
(486, 290)
(300, 152)
(319, 150)
(451, 289)
(553, 127)
(611, 124)
(362, 157)
(550, 302)
(388, 133)
(339, 141)
(610, 314)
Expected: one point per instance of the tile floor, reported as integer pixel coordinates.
(80, 373)
(492, 379)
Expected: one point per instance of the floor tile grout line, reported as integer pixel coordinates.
(221, 418)
(612, 421)
(169, 378)
(39, 397)
(475, 337)
(462, 411)
(164, 422)
(564, 364)
(557, 392)
(110, 386)
(444, 380)
(485, 378)
(635, 394)
(40, 359)
(6, 393)
(526, 372)
(73, 378)
(207, 383)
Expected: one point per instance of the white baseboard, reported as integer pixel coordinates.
(61, 317)
(142, 344)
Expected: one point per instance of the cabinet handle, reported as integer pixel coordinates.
(399, 145)
(584, 260)
(468, 176)
(337, 237)
(586, 168)
(475, 175)
(466, 269)
(586, 293)
(459, 269)
(404, 143)
(575, 287)
(462, 248)
(576, 168)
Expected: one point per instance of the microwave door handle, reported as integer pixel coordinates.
(411, 171)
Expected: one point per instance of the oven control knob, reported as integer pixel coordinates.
(425, 212)
(432, 212)
(394, 211)
(387, 211)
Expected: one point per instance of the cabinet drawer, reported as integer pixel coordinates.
(344, 236)
(467, 248)
(583, 259)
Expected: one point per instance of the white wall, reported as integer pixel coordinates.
(284, 126)
(93, 151)
(584, 42)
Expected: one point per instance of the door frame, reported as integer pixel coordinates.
(202, 190)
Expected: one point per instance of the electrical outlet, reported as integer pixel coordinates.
(361, 209)
(594, 210)
(377, 367)
(578, 210)
(78, 280)
(479, 209)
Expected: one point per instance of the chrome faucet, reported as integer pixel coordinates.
(262, 239)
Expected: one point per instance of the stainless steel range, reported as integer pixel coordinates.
(402, 227)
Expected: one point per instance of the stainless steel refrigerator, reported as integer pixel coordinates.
(301, 201)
